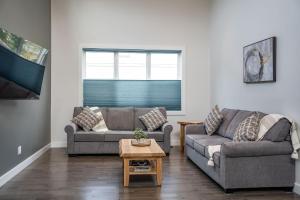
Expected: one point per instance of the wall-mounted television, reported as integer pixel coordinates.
(21, 67)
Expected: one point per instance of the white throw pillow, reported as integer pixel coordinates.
(101, 126)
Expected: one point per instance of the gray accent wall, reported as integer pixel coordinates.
(25, 122)
(235, 24)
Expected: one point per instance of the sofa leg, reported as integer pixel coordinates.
(228, 191)
(288, 189)
(72, 155)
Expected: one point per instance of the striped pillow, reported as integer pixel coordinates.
(213, 120)
(153, 119)
(87, 119)
(248, 128)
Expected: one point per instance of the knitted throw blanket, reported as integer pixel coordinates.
(269, 120)
(265, 124)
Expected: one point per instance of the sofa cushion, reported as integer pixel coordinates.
(237, 119)
(228, 115)
(87, 119)
(120, 119)
(213, 120)
(279, 131)
(248, 129)
(142, 111)
(153, 119)
(83, 136)
(208, 142)
(101, 126)
(115, 136)
(78, 110)
(201, 142)
(189, 139)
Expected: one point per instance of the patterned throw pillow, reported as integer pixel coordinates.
(213, 120)
(248, 128)
(87, 119)
(153, 119)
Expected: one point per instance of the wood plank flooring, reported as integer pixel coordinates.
(57, 176)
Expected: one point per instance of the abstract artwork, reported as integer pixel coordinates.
(260, 61)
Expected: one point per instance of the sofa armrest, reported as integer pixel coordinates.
(70, 129)
(195, 129)
(252, 149)
(167, 129)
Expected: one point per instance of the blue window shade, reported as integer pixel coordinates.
(138, 93)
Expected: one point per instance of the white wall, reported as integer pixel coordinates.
(236, 23)
(127, 22)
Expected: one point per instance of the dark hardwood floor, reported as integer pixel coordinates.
(57, 176)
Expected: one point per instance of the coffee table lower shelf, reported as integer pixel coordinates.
(156, 169)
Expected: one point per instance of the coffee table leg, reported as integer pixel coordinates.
(126, 172)
(159, 171)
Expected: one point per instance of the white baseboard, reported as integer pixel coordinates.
(17, 169)
(58, 144)
(297, 188)
(175, 143)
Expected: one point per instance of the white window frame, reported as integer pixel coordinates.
(181, 74)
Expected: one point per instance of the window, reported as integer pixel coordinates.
(99, 65)
(164, 66)
(132, 66)
(141, 78)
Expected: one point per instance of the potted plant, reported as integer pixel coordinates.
(140, 138)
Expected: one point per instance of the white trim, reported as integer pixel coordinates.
(58, 144)
(148, 66)
(17, 169)
(182, 66)
(175, 142)
(116, 65)
(296, 188)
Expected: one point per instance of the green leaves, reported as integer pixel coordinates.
(139, 134)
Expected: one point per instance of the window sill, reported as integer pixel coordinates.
(176, 113)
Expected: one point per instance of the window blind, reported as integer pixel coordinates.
(137, 93)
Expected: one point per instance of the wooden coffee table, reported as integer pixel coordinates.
(153, 153)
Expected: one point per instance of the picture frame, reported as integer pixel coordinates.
(259, 61)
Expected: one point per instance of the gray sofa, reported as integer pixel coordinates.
(266, 163)
(121, 123)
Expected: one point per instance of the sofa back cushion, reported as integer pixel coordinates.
(142, 111)
(77, 111)
(120, 119)
(228, 115)
(235, 122)
(279, 131)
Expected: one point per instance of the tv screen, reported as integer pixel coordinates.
(21, 67)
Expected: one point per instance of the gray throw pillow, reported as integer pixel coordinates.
(213, 120)
(87, 119)
(153, 119)
(248, 128)
(279, 132)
